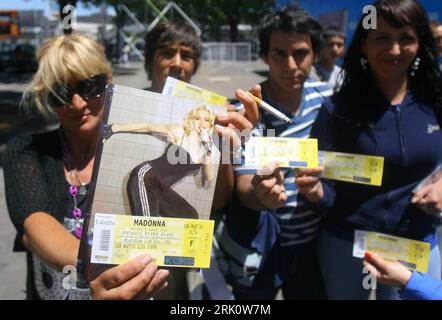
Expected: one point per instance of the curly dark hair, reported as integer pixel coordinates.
(426, 85)
(168, 33)
(290, 19)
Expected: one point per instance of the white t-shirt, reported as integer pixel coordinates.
(333, 78)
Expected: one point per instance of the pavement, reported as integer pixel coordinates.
(222, 77)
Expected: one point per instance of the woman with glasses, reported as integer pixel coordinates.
(47, 175)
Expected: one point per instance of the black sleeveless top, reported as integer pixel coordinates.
(35, 181)
(174, 164)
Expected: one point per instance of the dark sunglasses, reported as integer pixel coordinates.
(87, 89)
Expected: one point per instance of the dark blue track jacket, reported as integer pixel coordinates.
(409, 138)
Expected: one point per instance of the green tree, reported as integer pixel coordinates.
(209, 14)
(120, 16)
(215, 13)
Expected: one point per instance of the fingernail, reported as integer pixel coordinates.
(220, 128)
(146, 260)
(368, 255)
(241, 93)
(152, 269)
(222, 116)
(414, 200)
(163, 273)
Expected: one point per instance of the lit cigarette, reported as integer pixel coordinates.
(270, 109)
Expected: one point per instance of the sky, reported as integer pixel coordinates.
(44, 5)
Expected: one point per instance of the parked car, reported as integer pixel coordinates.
(24, 57)
(20, 56)
(6, 48)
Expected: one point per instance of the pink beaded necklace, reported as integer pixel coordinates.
(74, 191)
(76, 212)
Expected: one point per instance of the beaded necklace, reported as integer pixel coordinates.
(77, 224)
(76, 212)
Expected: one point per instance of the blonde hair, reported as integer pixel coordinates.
(64, 60)
(188, 126)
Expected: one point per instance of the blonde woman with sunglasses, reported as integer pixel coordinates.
(47, 175)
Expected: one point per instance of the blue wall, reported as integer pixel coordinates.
(354, 8)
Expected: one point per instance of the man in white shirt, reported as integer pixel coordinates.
(325, 69)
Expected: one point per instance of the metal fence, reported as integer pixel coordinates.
(227, 51)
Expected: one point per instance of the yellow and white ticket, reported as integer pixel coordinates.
(289, 152)
(350, 167)
(181, 89)
(413, 254)
(171, 242)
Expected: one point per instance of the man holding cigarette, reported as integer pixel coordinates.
(266, 205)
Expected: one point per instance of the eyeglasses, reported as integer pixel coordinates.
(87, 89)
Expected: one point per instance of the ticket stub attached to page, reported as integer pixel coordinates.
(288, 152)
(172, 242)
(181, 89)
(413, 254)
(350, 167)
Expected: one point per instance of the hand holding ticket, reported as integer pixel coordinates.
(309, 184)
(269, 187)
(387, 272)
(413, 254)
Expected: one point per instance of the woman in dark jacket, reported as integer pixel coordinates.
(390, 105)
